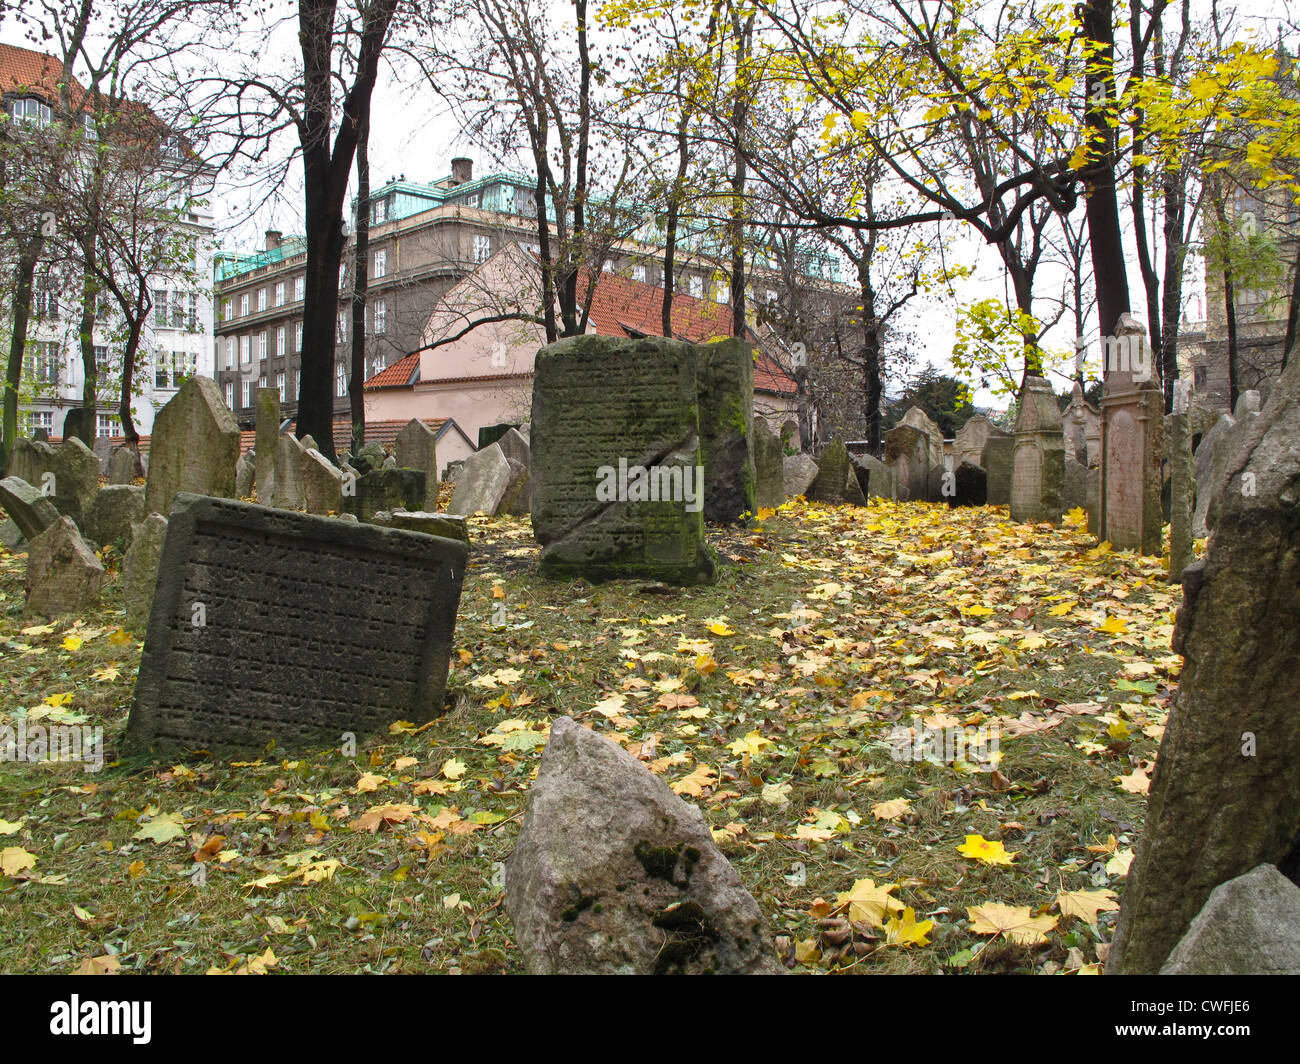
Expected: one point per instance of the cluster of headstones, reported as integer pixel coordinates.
(496, 479)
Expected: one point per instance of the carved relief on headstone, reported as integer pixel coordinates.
(269, 624)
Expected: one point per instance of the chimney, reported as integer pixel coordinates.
(462, 170)
(273, 238)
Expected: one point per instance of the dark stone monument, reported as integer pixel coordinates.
(275, 625)
(970, 486)
(79, 422)
(999, 462)
(385, 489)
(769, 471)
(725, 378)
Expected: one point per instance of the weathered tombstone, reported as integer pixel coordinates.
(1075, 490)
(1182, 488)
(31, 511)
(919, 419)
(102, 449)
(245, 475)
(907, 450)
(273, 625)
(1249, 926)
(75, 471)
(876, 479)
(11, 536)
(286, 481)
(1248, 403)
(385, 489)
(115, 509)
(613, 873)
(725, 377)
(1092, 499)
(518, 498)
(266, 441)
(1225, 796)
(416, 447)
(1082, 426)
(834, 471)
(969, 485)
(449, 526)
(798, 471)
(194, 447)
(140, 570)
(769, 472)
(41, 434)
(79, 424)
(63, 574)
(999, 463)
(309, 442)
(1132, 413)
(370, 455)
(482, 483)
(1210, 460)
(124, 464)
(618, 483)
(29, 460)
(968, 446)
(1038, 464)
(322, 483)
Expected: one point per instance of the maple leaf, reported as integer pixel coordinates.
(1086, 904)
(454, 768)
(14, 859)
(8, 828)
(892, 809)
(1119, 864)
(105, 965)
(368, 782)
(72, 642)
(695, 783)
(1013, 922)
(162, 829)
(868, 903)
(903, 930)
(720, 627)
(378, 815)
(978, 848)
(751, 744)
(1136, 782)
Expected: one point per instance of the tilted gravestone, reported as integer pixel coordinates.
(1210, 459)
(266, 441)
(769, 473)
(115, 509)
(798, 471)
(726, 396)
(876, 479)
(518, 499)
(63, 574)
(75, 471)
(836, 482)
(487, 479)
(907, 450)
(286, 480)
(919, 419)
(245, 474)
(618, 486)
(1225, 796)
(29, 460)
(416, 447)
(449, 526)
(31, 511)
(1038, 463)
(79, 424)
(273, 625)
(140, 570)
(614, 873)
(999, 463)
(322, 484)
(194, 448)
(124, 464)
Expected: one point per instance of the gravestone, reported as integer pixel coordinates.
(999, 463)
(31, 511)
(483, 482)
(907, 450)
(112, 513)
(76, 478)
(322, 484)
(194, 447)
(448, 526)
(140, 570)
(1092, 499)
(769, 472)
(11, 536)
(370, 456)
(836, 480)
(1082, 425)
(877, 480)
(416, 447)
(385, 489)
(29, 460)
(124, 465)
(1225, 796)
(725, 379)
(968, 446)
(798, 471)
(1075, 491)
(1038, 461)
(266, 441)
(273, 625)
(1132, 413)
(287, 492)
(618, 483)
(41, 434)
(1182, 485)
(1209, 460)
(245, 475)
(614, 873)
(79, 424)
(63, 574)
(518, 498)
(919, 419)
(1248, 403)
(969, 485)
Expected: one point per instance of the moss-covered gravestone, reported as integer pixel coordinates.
(275, 625)
(416, 447)
(769, 470)
(1225, 796)
(618, 481)
(266, 441)
(837, 480)
(726, 395)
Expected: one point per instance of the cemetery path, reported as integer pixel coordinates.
(921, 735)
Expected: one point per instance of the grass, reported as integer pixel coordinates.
(766, 698)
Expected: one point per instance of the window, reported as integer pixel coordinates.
(173, 369)
(230, 352)
(696, 286)
(245, 350)
(261, 346)
(103, 426)
(103, 308)
(1200, 377)
(191, 311)
(607, 267)
(379, 212)
(261, 381)
(342, 331)
(230, 396)
(299, 289)
(42, 419)
(243, 305)
(261, 300)
(340, 380)
(381, 317)
(32, 111)
(245, 391)
(103, 358)
(279, 385)
(45, 304)
(44, 361)
(226, 309)
(278, 350)
(638, 274)
(471, 200)
(297, 337)
(376, 365)
(482, 248)
(381, 263)
(279, 294)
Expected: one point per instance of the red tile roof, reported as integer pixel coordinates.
(623, 307)
(23, 70)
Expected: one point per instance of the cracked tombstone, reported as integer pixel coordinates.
(618, 484)
(30, 509)
(1225, 796)
(275, 625)
(613, 873)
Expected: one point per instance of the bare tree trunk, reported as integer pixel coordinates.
(361, 282)
(28, 254)
(739, 120)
